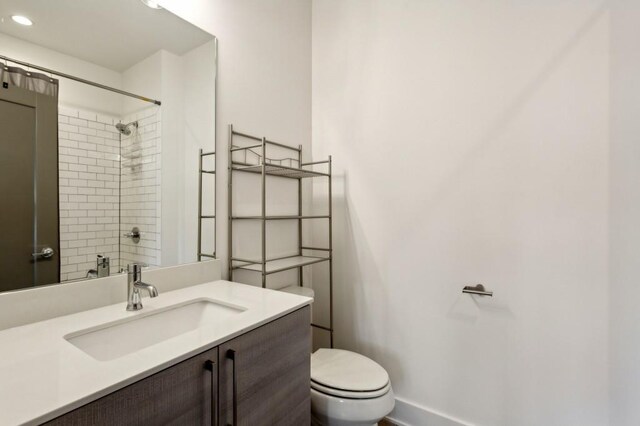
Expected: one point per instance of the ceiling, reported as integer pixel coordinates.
(115, 34)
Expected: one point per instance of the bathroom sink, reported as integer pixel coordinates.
(119, 338)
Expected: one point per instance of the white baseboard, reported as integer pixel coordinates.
(408, 413)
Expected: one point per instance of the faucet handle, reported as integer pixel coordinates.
(135, 269)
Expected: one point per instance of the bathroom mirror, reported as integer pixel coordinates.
(107, 139)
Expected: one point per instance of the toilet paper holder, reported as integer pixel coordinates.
(477, 289)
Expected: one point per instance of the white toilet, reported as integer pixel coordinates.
(348, 389)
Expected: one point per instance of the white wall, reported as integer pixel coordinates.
(625, 211)
(264, 74)
(470, 143)
(172, 156)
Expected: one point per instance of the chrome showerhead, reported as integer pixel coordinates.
(125, 129)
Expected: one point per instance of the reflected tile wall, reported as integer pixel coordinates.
(88, 161)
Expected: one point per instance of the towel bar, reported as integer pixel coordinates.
(477, 289)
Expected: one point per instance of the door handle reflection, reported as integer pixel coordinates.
(46, 253)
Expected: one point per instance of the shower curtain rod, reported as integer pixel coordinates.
(80, 80)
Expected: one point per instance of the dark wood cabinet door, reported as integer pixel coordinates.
(272, 368)
(180, 395)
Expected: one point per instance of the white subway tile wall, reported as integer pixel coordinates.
(100, 199)
(88, 161)
(140, 188)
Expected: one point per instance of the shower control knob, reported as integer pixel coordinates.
(46, 253)
(134, 234)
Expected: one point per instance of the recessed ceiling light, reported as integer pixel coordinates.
(152, 4)
(22, 20)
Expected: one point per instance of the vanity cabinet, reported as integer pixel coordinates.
(258, 378)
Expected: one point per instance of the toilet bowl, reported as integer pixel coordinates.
(348, 389)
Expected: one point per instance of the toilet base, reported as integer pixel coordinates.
(315, 422)
(328, 410)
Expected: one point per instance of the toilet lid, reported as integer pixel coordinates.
(346, 370)
(350, 394)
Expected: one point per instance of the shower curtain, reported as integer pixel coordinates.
(33, 81)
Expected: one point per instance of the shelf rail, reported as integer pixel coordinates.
(201, 172)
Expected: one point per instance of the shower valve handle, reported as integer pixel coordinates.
(134, 234)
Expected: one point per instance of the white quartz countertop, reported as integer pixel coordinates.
(43, 376)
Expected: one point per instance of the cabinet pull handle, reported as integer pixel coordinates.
(231, 354)
(212, 367)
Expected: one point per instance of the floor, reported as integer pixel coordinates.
(386, 422)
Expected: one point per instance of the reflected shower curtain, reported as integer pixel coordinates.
(33, 81)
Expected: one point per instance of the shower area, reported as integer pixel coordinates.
(109, 185)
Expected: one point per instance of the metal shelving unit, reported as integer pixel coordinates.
(286, 168)
(201, 173)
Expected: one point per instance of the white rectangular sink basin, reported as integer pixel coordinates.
(119, 338)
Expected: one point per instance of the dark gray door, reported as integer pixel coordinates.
(29, 189)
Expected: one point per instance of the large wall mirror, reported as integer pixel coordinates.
(107, 139)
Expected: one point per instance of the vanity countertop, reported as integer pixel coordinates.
(42, 375)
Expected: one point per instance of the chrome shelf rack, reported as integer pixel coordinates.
(287, 168)
(201, 217)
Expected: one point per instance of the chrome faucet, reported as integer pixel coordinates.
(102, 268)
(134, 284)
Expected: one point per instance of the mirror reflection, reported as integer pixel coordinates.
(107, 111)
